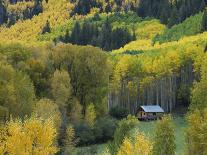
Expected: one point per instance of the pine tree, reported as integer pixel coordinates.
(46, 28)
(76, 32)
(3, 14)
(164, 140)
(106, 34)
(203, 5)
(174, 18)
(204, 21)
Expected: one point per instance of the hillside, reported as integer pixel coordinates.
(73, 75)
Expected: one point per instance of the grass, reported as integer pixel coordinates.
(148, 129)
(92, 150)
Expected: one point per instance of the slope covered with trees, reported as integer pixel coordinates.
(56, 76)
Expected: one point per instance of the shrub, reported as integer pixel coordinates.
(84, 134)
(119, 112)
(104, 129)
(121, 132)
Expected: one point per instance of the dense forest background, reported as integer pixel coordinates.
(81, 67)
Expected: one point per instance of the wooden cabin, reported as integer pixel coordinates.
(150, 112)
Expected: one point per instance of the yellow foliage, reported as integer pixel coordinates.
(148, 29)
(140, 146)
(56, 12)
(20, 6)
(47, 109)
(126, 148)
(33, 136)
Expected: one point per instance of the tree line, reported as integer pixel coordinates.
(170, 12)
(104, 37)
(21, 10)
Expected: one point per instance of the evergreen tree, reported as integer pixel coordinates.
(75, 35)
(3, 14)
(164, 140)
(203, 5)
(174, 18)
(204, 22)
(66, 38)
(183, 12)
(38, 8)
(86, 33)
(46, 28)
(105, 36)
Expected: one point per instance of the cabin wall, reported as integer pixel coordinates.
(161, 92)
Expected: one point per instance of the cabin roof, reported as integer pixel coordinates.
(152, 108)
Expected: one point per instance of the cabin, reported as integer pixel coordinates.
(150, 112)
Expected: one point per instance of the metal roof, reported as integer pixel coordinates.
(152, 108)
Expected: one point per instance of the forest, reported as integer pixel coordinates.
(73, 74)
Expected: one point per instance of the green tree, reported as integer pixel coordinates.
(89, 69)
(75, 34)
(164, 140)
(105, 36)
(70, 141)
(199, 95)
(16, 90)
(121, 132)
(204, 21)
(75, 112)
(174, 18)
(46, 28)
(90, 115)
(3, 13)
(61, 87)
(61, 92)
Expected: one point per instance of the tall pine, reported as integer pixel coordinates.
(3, 14)
(204, 21)
(174, 18)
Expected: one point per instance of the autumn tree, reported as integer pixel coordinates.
(32, 136)
(140, 145)
(48, 109)
(196, 135)
(164, 140)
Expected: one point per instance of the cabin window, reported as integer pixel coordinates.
(154, 113)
